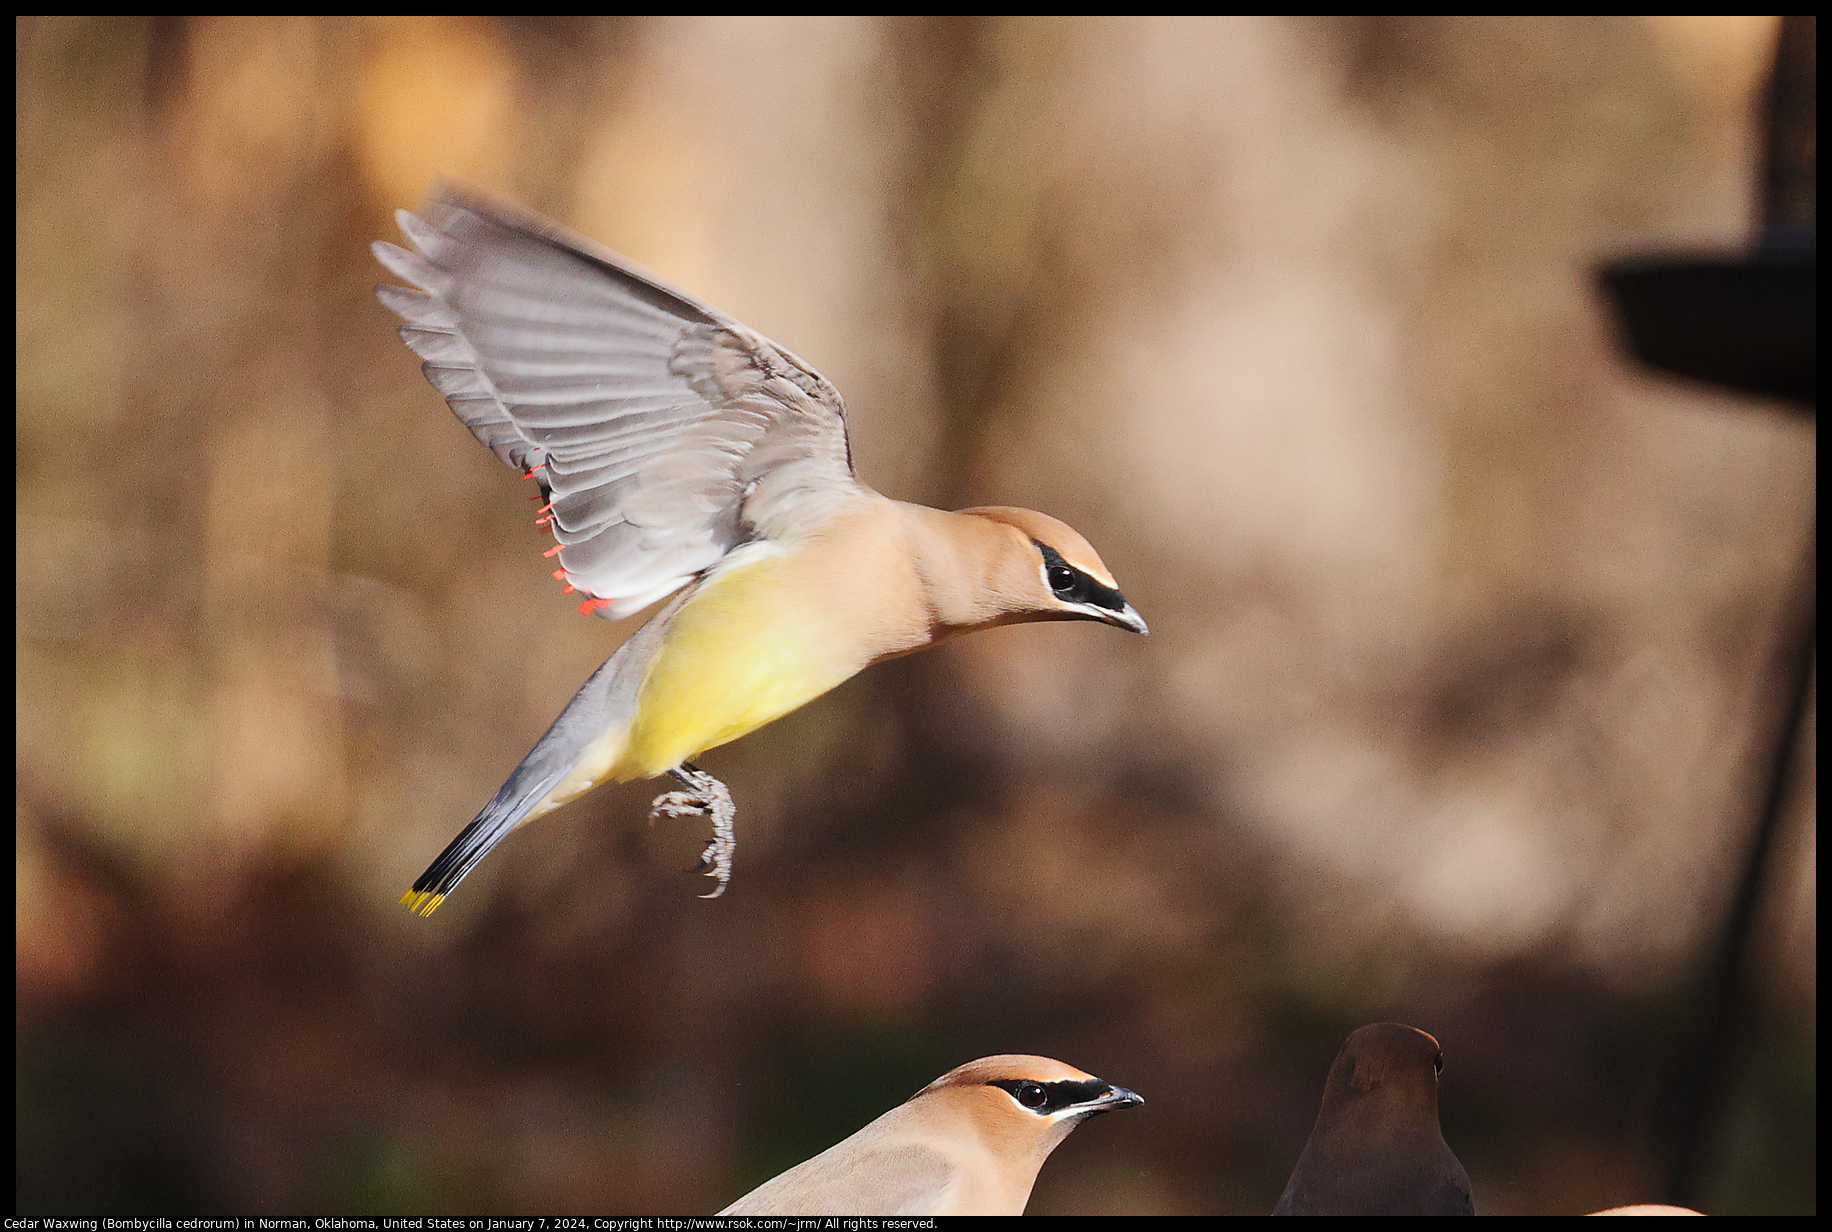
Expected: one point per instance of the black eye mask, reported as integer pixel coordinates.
(1071, 585)
(1063, 1093)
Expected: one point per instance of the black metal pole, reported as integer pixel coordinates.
(1707, 1062)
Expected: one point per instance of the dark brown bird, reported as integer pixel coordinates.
(1376, 1148)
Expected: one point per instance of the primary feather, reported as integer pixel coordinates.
(665, 433)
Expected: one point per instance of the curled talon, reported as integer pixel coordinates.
(705, 796)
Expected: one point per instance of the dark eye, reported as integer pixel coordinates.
(1437, 1062)
(1061, 578)
(1032, 1095)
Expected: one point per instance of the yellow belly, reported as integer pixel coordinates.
(746, 650)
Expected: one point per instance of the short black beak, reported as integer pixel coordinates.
(1115, 1098)
(1126, 618)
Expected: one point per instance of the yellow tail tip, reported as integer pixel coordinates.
(421, 903)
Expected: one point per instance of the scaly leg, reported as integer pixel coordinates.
(705, 797)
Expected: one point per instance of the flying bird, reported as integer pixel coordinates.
(683, 457)
(969, 1143)
(1376, 1148)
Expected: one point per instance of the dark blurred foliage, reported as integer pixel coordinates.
(1453, 710)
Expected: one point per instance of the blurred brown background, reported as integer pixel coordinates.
(1453, 711)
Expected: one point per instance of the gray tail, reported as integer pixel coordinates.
(608, 697)
(552, 757)
(460, 856)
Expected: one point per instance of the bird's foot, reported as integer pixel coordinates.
(705, 797)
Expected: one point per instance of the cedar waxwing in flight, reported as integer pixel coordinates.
(1376, 1148)
(683, 457)
(969, 1143)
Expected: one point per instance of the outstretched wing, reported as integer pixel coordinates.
(664, 432)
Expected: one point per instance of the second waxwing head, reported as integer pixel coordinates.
(969, 1143)
(1021, 1106)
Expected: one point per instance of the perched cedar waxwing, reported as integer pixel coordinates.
(1376, 1148)
(680, 454)
(969, 1143)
